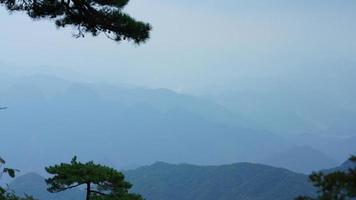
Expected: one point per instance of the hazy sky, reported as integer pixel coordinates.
(196, 44)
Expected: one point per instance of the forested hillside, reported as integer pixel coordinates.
(241, 181)
(162, 181)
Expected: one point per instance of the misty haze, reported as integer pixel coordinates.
(177, 100)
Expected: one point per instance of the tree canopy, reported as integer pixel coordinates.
(101, 182)
(339, 185)
(87, 16)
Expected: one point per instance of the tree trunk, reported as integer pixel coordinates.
(88, 192)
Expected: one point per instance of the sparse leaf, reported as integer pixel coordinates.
(2, 161)
(10, 172)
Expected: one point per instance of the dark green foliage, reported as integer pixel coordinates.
(10, 172)
(4, 195)
(304, 198)
(101, 182)
(92, 16)
(338, 185)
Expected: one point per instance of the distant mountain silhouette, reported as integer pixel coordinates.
(121, 126)
(338, 148)
(125, 126)
(303, 159)
(320, 105)
(343, 167)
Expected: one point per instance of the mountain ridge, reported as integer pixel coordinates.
(162, 180)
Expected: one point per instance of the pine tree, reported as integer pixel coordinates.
(101, 182)
(87, 16)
